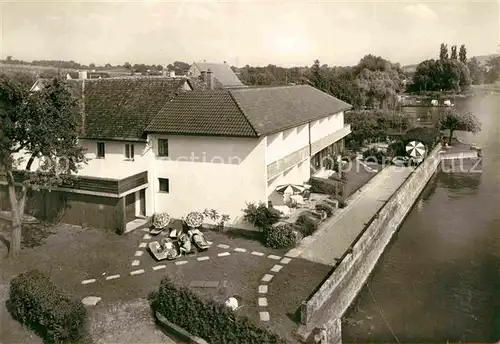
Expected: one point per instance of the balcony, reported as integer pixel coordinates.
(326, 141)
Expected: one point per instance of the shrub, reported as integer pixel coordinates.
(37, 303)
(307, 224)
(281, 235)
(261, 216)
(325, 207)
(375, 154)
(207, 319)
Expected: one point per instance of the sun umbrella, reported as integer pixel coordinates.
(415, 149)
(290, 188)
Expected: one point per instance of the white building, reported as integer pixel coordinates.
(152, 151)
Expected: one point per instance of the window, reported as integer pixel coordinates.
(100, 150)
(164, 185)
(162, 147)
(129, 151)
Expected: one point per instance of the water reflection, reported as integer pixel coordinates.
(439, 279)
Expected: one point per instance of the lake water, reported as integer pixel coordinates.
(439, 278)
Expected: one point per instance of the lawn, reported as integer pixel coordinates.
(71, 254)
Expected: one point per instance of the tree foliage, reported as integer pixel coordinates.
(441, 75)
(453, 120)
(373, 125)
(477, 71)
(462, 54)
(443, 52)
(454, 55)
(38, 126)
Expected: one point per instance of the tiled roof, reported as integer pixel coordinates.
(245, 111)
(273, 109)
(202, 113)
(122, 108)
(222, 72)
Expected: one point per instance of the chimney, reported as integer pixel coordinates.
(204, 76)
(210, 80)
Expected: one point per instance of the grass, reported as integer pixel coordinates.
(70, 254)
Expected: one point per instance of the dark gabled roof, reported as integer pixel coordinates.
(222, 72)
(249, 112)
(122, 108)
(202, 113)
(273, 109)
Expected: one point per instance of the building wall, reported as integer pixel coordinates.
(299, 174)
(114, 165)
(326, 126)
(286, 142)
(218, 173)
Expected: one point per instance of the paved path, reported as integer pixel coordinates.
(331, 243)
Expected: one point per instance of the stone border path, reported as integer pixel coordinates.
(184, 262)
(262, 290)
(262, 301)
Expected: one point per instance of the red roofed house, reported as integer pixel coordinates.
(156, 145)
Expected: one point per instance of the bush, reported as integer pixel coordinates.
(307, 224)
(38, 304)
(261, 216)
(207, 319)
(325, 207)
(282, 235)
(379, 155)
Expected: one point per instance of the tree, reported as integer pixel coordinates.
(477, 71)
(462, 55)
(92, 66)
(42, 126)
(453, 121)
(443, 52)
(317, 76)
(108, 65)
(127, 65)
(9, 59)
(493, 73)
(454, 52)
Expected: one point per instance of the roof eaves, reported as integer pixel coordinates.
(243, 114)
(304, 122)
(198, 134)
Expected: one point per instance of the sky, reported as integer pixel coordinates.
(281, 32)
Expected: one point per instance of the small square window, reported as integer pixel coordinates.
(100, 150)
(164, 185)
(162, 147)
(129, 151)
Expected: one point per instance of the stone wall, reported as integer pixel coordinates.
(328, 304)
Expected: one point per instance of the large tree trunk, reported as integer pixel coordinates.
(451, 137)
(17, 210)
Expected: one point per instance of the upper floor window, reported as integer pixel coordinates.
(162, 147)
(129, 151)
(100, 150)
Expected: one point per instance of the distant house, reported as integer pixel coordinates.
(222, 73)
(86, 75)
(157, 145)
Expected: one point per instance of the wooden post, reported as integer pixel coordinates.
(120, 216)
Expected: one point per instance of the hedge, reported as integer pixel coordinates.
(207, 319)
(307, 224)
(41, 306)
(325, 186)
(282, 235)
